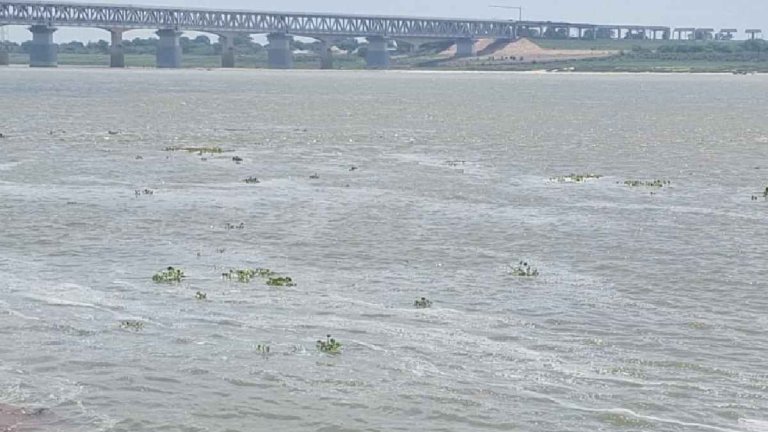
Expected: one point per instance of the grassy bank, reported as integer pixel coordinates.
(622, 45)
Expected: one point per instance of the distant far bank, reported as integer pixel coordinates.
(524, 55)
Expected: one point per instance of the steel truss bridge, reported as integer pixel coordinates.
(224, 21)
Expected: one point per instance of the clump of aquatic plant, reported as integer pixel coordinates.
(198, 150)
(455, 163)
(201, 295)
(314, 176)
(765, 193)
(575, 178)
(201, 150)
(239, 226)
(132, 325)
(353, 168)
(329, 345)
(252, 180)
(237, 159)
(247, 275)
(140, 192)
(263, 349)
(280, 281)
(652, 183)
(422, 303)
(169, 275)
(244, 276)
(523, 269)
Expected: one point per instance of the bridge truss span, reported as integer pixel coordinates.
(220, 21)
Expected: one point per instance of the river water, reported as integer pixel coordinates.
(649, 312)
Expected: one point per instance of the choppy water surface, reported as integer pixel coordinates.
(649, 313)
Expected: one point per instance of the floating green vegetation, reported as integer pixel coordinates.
(652, 183)
(132, 325)
(263, 349)
(422, 303)
(252, 180)
(523, 269)
(198, 150)
(698, 325)
(237, 159)
(230, 226)
(169, 275)
(282, 281)
(314, 176)
(575, 178)
(353, 168)
(329, 345)
(201, 295)
(247, 275)
(140, 192)
(455, 163)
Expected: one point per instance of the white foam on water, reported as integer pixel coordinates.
(754, 425)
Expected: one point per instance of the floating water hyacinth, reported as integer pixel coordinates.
(652, 183)
(140, 192)
(765, 194)
(422, 303)
(169, 275)
(455, 163)
(132, 325)
(201, 295)
(575, 178)
(263, 349)
(247, 275)
(329, 345)
(252, 180)
(280, 282)
(199, 150)
(523, 269)
(228, 226)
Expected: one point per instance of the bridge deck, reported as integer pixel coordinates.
(232, 21)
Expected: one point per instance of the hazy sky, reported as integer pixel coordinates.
(684, 13)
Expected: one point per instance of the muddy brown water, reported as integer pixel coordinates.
(649, 312)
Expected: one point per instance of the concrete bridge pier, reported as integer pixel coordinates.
(168, 49)
(326, 54)
(377, 56)
(465, 47)
(43, 52)
(227, 42)
(116, 50)
(5, 57)
(279, 53)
